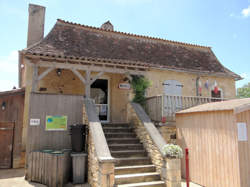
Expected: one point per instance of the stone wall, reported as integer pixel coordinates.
(168, 133)
(170, 169)
(188, 80)
(141, 132)
(100, 172)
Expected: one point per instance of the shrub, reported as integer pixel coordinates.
(140, 85)
(172, 151)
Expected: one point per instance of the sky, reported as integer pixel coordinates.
(223, 25)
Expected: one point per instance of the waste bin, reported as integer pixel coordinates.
(78, 133)
(79, 167)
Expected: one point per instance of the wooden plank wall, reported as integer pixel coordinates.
(244, 151)
(213, 147)
(52, 104)
(14, 113)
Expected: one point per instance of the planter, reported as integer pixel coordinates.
(173, 174)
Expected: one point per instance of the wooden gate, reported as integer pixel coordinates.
(6, 144)
(43, 105)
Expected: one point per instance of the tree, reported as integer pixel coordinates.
(244, 91)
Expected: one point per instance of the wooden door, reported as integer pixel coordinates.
(172, 97)
(6, 144)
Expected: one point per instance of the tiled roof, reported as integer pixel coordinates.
(71, 40)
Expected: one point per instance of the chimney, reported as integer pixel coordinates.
(107, 26)
(36, 24)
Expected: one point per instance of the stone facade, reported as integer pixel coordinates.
(188, 80)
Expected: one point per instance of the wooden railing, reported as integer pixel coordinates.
(166, 106)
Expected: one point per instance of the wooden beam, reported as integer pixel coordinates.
(88, 67)
(95, 61)
(78, 75)
(96, 77)
(45, 73)
(87, 85)
(34, 78)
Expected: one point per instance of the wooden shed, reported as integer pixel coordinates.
(12, 154)
(217, 135)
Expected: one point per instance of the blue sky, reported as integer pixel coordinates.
(224, 25)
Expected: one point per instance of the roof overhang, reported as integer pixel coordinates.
(84, 63)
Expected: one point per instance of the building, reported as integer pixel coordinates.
(79, 60)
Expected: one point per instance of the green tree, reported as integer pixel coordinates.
(244, 91)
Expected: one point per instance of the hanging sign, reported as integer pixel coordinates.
(54, 123)
(124, 86)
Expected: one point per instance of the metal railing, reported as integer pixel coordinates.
(166, 106)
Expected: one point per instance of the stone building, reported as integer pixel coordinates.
(96, 62)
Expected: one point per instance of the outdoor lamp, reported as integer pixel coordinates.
(58, 72)
(3, 105)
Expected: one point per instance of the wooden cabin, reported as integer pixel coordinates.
(218, 138)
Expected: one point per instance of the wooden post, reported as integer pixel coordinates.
(88, 84)
(35, 78)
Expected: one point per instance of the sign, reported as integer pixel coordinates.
(124, 86)
(34, 122)
(242, 131)
(54, 123)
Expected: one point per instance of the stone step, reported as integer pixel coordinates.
(120, 135)
(133, 161)
(147, 184)
(117, 129)
(129, 153)
(123, 140)
(134, 169)
(137, 177)
(124, 147)
(116, 125)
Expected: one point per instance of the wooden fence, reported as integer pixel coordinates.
(161, 106)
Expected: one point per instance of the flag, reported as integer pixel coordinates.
(207, 84)
(215, 87)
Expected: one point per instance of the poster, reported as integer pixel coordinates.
(54, 123)
(242, 131)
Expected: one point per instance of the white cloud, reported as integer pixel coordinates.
(8, 71)
(246, 12)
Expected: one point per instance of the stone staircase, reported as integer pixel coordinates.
(133, 167)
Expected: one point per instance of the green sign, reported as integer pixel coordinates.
(56, 123)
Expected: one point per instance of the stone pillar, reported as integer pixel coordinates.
(106, 174)
(36, 24)
(173, 172)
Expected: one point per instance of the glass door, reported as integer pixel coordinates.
(100, 93)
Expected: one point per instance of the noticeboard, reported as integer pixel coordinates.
(56, 123)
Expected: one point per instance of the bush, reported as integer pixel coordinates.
(172, 151)
(140, 85)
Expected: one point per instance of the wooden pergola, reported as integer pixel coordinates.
(88, 65)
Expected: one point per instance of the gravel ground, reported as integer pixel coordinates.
(15, 178)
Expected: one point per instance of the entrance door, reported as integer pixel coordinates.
(6, 144)
(100, 93)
